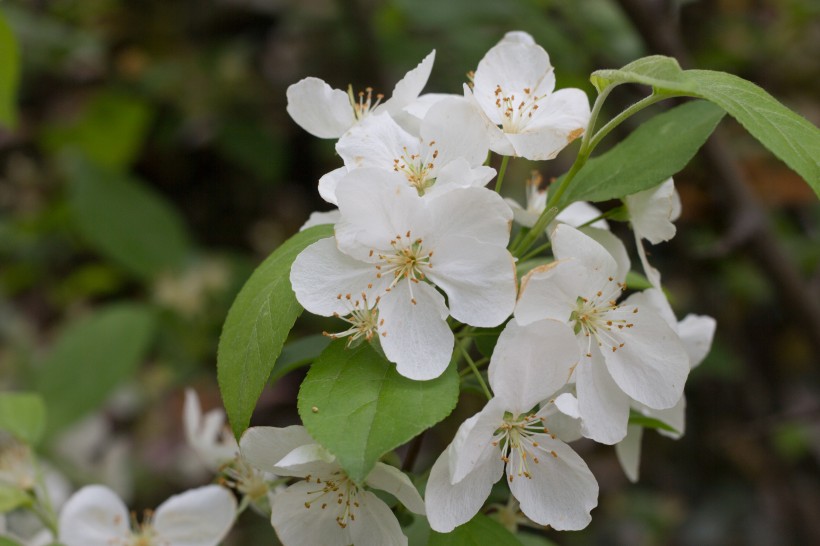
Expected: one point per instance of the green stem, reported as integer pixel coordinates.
(623, 116)
(476, 372)
(535, 252)
(501, 172)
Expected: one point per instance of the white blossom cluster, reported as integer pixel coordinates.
(420, 247)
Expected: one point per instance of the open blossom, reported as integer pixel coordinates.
(629, 351)
(448, 152)
(328, 113)
(207, 434)
(514, 86)
(96, 516)
(651, 214)
(392, 248)
(326, 507)
(696, 333)
(550, 481)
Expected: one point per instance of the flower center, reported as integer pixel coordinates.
(339, 494)
(16, 466)
(245, 479)
(515, 111)
(407, 260)
(363, 103)
(418, 170)
(518, 447)
(593, 317)
(363, 319)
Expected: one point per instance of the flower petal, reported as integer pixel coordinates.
(652, 212)
(450, 505)
(306, 460)
(696, 332)
(328, 184)
(415, 335)
(457, 128)
(568, 242)
(198, 517)
(549, 292)
(320, 110)
(409, 87)
(376, 142)
(603, 405)
(473, 441)
(561, 492)
(318, 218)
(479, 280)
(375, 523)
(530, 363)
(394, 481)
(628, 451)
(94, 516)
(299, 523)
(263, 447)
(477, 213)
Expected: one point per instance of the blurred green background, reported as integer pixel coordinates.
(153, 165)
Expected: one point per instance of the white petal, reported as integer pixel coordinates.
(628, 451)
(655, 299)
(549, 292)
(696, 332)
(263, 447)
(415, 335)
(675, 417)
(394, 481)
(377, 207)
(562, 416)
(320, 110)
(562, 491)
(652, 365)
(603, 405)
(473, 441)
(652, 274)
(652, 212)
(579, 213)
(306, 460)
(530, 363)
(375, 523)
(409, 87)
(479, 280)
(478, 213)
(321, 218)
(198, 517)
(328, 184)
(518, 36)
(296, 524)
(94, 516)
(458, 174)
(522, 216)
(376, 142)
(458, 130)
(448, 505)
(614, 246)
(322, 277)
(568, 242)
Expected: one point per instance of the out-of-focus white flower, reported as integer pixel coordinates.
(514, 86)
(389, 243)
(207, 434)
(188, 292)
(652, 213)
(550, 481)
(629, 351)
(328, 113)
(96, 516)
(325, 506)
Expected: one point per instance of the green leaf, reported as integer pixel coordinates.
(5, 541)
(91, 358)
(636, 418)
(789, 136)
(479, 531)
(256, 328)
(125, 220)
(649, 155)
(23, 414)
(110, 131)
(11, 498)
(356, 404)
(786, 134)
(9, 74)
(298, 353)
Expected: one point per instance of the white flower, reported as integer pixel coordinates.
(448, 153)
(389, 242)
(95, 516)
(318, 218)
(629, 351)
(207, 434)
(550, 481)
(328, 113)
(696, 333)
(514, 85)
(326, 507)
(652, 213)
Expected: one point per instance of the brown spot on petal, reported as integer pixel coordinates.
(575, 134)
